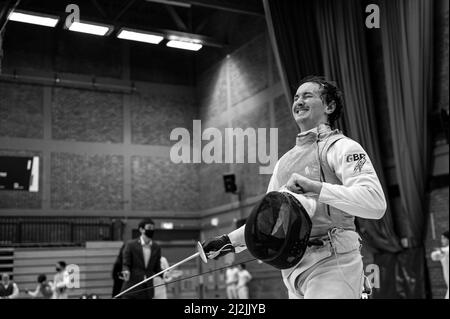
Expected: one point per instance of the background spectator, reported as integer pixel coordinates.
(8, 289)
(44, 288)
(243, 278)
(61, 281)
(441, 254)
(141, 259)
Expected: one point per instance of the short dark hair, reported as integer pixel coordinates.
(445, 234)
(42, 278)
(62, 263)
(145, 222)
(330, 92)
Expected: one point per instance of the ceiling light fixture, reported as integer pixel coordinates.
(191, 45)
(140, 36)
(173, 3)
(34, 18)
(91, 28)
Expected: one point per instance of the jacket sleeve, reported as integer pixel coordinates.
(117, 268)
(157, 268)
(361, 193)
(126, 260)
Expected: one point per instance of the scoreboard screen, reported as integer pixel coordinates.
(19, 173)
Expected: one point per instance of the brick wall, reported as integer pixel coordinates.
(86, 181)
(237, 92)
(439, 198)
(87, 116)
(154, 115)
(84, 156)
(441, 54)
(21, 111)
(93, 143)
(248, 70)
(160, 185)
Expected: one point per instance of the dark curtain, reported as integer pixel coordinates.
(341, 35)
(401, 274)
(294, 41)
(407, 35)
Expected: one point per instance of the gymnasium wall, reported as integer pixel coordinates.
(103, 152)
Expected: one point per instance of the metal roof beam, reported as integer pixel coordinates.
(215, 4)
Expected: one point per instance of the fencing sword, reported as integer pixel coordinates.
(200, 253)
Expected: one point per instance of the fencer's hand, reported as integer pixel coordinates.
(126, 275)
(300, 185)
(217, 247)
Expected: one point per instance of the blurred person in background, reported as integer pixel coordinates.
(117, 273)
(160, 283)
(8, 288)
(43, 290)
(61, 281)
(243, 279)
(231, 278)
(441, 254)
(141, 260)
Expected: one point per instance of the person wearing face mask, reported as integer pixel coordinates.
(61, 281)
(141, 259)
(332, 179)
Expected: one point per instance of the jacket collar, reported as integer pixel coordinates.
(311, 136)
(141, 241)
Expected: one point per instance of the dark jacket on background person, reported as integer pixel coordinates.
(133, 261)
(116, 273)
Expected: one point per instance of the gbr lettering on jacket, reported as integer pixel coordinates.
(357, 160)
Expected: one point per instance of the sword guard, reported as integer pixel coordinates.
(201, 252)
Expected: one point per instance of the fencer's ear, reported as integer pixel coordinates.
(330, 107)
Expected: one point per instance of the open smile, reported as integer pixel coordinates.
(301, 109)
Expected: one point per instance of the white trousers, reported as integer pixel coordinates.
(232, 292)
(332, 271)
(243, 292)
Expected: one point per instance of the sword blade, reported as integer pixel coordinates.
(160, 273)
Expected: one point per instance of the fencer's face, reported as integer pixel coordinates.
(309, 109)
(5, 278)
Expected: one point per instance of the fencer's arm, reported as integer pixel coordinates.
(361, 193)
(237, 237)
(34, 293)
(63, 283)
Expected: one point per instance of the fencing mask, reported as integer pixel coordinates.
(278, 229)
